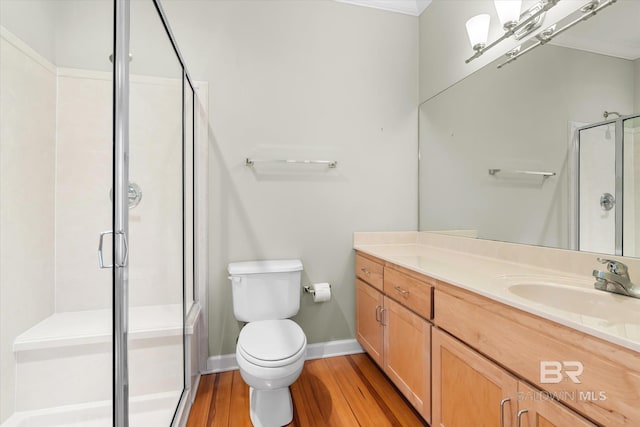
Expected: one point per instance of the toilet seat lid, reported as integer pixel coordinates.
(271, 340)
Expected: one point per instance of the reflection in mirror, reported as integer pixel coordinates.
(543, 113)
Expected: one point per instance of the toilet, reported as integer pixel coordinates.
(271, 348)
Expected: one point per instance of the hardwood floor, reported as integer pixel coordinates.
(339, 391)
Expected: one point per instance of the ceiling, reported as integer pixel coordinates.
(407, 7)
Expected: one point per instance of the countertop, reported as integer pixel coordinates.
(611, 317)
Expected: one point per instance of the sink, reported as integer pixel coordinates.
(578, 300)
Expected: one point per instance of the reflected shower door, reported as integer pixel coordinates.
(631, 184)
(597, 192)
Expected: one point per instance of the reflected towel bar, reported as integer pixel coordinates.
(523, 172)
(330, 163)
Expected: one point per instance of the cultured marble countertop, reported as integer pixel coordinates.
(611, 317)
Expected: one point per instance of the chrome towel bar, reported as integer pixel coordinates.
(522, 172)
(330, 163)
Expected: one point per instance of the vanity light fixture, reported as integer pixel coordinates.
(478, 31)
(583, 13)
(513, 22)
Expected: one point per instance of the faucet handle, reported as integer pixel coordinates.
(615, 267)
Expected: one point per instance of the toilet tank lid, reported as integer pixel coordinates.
(267, 266)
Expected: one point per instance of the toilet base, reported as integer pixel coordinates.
(270, 408)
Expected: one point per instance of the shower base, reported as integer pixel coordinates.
(64, 368)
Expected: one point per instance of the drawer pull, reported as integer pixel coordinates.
(520, 413)
(502, 402)
(402, 291)
(365, 271)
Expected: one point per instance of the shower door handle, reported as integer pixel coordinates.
(125, 257)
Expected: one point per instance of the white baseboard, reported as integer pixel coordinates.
(222, 363)
(227, 362)
(333, 348)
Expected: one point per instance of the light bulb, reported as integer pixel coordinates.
(508, 12)
(478, 31)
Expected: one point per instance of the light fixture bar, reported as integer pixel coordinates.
(545, 6)
(552, 33)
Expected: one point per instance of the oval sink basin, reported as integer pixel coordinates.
(588, 302)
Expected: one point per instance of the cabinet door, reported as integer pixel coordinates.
(467, 388)
(541, 411)
(369, 328)
(407, 348)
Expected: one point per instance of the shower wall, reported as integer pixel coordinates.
(83, 183)
(27, 176)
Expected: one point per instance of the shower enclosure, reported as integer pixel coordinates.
(98, 127)
(607, 176)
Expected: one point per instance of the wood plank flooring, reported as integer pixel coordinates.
(339, 391)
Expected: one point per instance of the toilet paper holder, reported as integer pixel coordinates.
(308, 289)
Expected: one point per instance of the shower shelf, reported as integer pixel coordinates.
(543, 174)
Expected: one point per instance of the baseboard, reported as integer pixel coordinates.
(227, 362)
(333, 348)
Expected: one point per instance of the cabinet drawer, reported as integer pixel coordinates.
(369, 271)
(408, 291)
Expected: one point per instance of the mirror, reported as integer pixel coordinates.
(525, 154)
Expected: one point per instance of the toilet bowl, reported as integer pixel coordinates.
(270, 355)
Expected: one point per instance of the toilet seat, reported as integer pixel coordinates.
(272, 343)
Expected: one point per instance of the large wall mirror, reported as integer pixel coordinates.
(545, 150)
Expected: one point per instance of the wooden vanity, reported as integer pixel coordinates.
(463, 359)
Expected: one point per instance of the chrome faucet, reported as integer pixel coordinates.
(616, 279)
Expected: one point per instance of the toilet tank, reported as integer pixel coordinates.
(265, 290)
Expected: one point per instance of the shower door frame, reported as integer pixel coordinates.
(619, 181)
(120, 207)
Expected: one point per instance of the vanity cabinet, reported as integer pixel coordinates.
(392, 312)
(465, 359)
(469, 389)
(606, 390)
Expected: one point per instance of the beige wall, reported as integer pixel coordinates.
(314, 79)
(27, 156)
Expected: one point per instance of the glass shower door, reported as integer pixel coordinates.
(156, 221)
